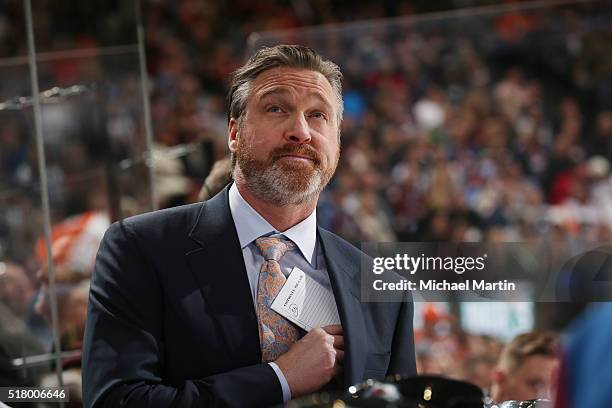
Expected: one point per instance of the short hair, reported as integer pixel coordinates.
(290, 56)
(526, 345)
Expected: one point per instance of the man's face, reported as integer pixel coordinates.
(531, 380)
(286, 143)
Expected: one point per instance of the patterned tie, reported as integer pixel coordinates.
(276, 334)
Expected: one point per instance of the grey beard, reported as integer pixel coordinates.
(279, 188)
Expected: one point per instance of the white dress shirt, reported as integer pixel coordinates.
(308, 256)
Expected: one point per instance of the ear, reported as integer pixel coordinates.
(232, 132)
(499, 376)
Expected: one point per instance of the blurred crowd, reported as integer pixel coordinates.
(524, 368)
(485, 127)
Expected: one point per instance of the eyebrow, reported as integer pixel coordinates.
(281, 91)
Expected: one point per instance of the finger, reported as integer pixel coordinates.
(317, 331)
(333, 329)
(339, 355)
(339, 342)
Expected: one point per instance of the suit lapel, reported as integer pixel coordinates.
(218, 266)
(344, 277)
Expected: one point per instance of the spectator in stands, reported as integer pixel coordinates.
(16, 289)
(219, 177)
(526, 368)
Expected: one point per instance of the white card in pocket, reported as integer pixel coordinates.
(305, 302)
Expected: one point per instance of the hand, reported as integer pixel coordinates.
(313, 360)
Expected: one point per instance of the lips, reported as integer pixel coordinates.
(300, 153)
(297, 157)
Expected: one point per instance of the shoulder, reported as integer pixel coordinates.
(182, 215)
(159, 225)
(339, 247)
(353, 259)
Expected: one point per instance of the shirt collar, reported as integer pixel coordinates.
(250, 225)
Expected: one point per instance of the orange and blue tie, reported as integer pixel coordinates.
(276, 334)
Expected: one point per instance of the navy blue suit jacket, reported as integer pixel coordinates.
(171, 320)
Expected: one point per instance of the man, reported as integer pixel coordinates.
(180, 299)
(526, 368)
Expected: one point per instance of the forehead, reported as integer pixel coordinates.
(294, 80)
(538, 364)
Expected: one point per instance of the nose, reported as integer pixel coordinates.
(298, 131)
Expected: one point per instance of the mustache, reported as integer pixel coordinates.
(300, 150)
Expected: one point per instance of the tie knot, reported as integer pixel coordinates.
(273, 248)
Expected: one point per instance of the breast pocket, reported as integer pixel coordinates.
(376, 365)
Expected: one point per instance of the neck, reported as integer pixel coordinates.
(280, 217)
(496, 394)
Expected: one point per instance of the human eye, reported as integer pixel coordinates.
(274, 109)
(318, 115)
